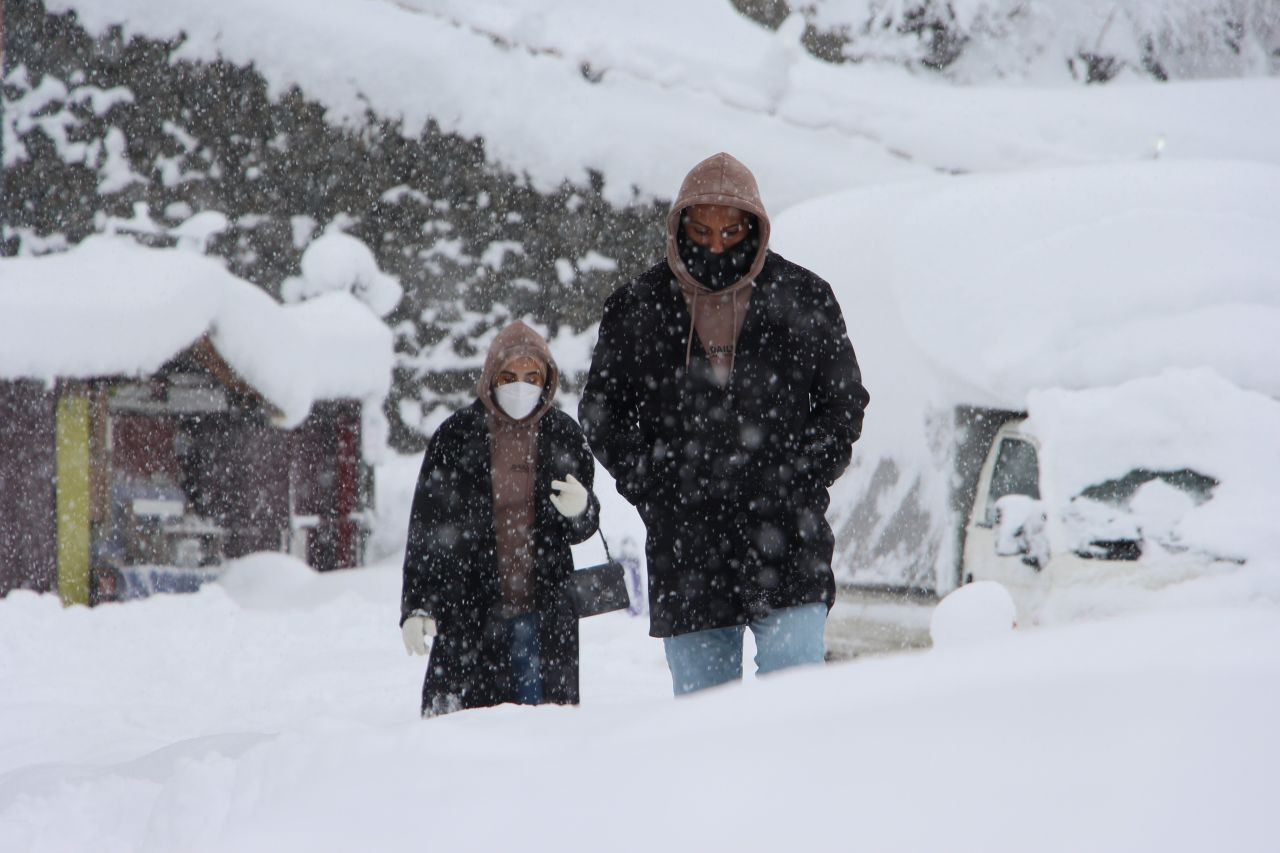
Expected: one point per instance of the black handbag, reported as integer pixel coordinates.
(598, 589)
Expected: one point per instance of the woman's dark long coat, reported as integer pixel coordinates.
(731, 482)
(451, 563)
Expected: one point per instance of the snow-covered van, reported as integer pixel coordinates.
(1111, 538)
(1094, 346)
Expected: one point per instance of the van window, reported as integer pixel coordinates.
(1016, 472)
(1118, 492)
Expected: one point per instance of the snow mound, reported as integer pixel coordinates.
(975, 612)
(275, 582)
(1072, 278)
(338, 262)
(266, 581)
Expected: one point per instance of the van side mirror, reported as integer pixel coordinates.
(1020, 530)
(1101, 531)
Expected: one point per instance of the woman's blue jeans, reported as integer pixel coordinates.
(526, 662)
(789, 636)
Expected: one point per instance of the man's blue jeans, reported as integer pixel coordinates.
(790, 636)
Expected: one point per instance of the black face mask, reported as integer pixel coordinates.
(720, 270)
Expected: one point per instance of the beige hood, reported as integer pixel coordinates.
(717, 315)
(719, 179)
(517, 339)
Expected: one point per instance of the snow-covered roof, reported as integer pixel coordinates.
(111, 307)
(1178, 419)
(1073, 277)
(668, 82)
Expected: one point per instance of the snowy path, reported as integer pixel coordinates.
(283, 717)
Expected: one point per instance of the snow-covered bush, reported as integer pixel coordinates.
(338, 262)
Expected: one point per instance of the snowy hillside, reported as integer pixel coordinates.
(640, 94)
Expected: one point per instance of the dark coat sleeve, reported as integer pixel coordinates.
(609, 408)
(430, 539)
(574, 457)
(837, 398)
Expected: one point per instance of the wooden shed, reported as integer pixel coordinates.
(109, 466)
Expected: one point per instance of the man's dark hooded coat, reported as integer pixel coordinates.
(451, 566)
(729, 468)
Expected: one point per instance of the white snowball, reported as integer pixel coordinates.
(973, 613)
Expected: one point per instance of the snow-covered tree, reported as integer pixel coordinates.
(1054, 40)
(120, 133)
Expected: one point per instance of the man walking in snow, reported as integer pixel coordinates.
(724, 397)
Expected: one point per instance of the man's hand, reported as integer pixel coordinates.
(571, 500)
(415, 631)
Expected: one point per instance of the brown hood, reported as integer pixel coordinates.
(517, 339)
(719, 179)
(717, 315)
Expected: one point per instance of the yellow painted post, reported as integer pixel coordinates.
(73, 498)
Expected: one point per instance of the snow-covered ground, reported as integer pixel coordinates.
(277, 711)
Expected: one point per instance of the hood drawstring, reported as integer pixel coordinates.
(693, 317)
(719, 180)
(733, 353)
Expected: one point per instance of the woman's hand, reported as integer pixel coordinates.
(415, 631)
(571, 498)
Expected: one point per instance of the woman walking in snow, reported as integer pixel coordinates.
(504, 491)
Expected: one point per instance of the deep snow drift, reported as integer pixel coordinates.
(277, 711)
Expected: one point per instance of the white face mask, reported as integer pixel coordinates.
(518, 399)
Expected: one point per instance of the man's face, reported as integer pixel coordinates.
(714, 226)
(522, 369)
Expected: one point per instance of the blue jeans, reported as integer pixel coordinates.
(525, 661)
(790, 636)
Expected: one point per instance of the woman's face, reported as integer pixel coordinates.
(522, 369)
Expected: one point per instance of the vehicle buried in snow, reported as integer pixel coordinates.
(1079, 507)
(1072, 380)
(1115, 534)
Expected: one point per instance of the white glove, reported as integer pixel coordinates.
(571, 501)
(415, 631)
